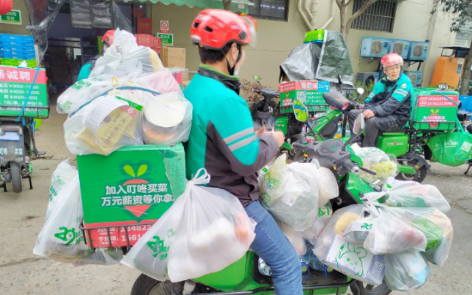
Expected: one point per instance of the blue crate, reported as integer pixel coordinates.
(17, 49)
(10, 37)
(466, 103)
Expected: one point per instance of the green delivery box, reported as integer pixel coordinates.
(308, 92)
(127, 191)
(431, 110)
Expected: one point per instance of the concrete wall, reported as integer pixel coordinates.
(275, 40)
(18, 29)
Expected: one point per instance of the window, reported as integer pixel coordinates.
(270, 9)
(464, 35)
(378, 17)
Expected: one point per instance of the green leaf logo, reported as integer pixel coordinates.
(129, 170)
(142, 169)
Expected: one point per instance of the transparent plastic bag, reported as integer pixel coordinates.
(103, 126)
(378, 161)
(327, 185)
(412, 194)
(406, 271)
(100, 257)
(390, 235)
(357, 231)
(290, 193)
(61, 178)
(61, 238)
(295, 238)
(324, 214)
(206, 230)
(352, 259)
(436, 227)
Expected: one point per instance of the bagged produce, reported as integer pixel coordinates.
(61, 238)
(390, 235)
(406, 271)
(100, 257)
(204, 231)
(436, 227)
(352, 259)
(295, 238)
(103, 126)
(61, 178)
(290, 193)
(324, 214)
(413, 194)
(378, 161)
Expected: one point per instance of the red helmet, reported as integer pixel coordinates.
(391, 59)
(5, 6)
(108, 38)
(214, 28)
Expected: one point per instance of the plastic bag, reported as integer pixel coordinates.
(444, 146)
(327, 185)
(204, 231)
(61, 178)
(61, 238)
(352, 259)
(103, 126)
(357, 231)
(378, 161)
(406, 271)
(295, 238)
(290, 193)
(324, 214)
(100, 257)
(390, 235)
(436, 227)
(413, 194)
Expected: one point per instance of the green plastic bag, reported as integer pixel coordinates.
(443, 147)
(464, 149)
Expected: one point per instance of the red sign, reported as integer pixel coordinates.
(119, 236)
(145, 40)
(298, 85)
(157, 42)
(437, 101)
(164, 26)
(8, 74)
(144, 26)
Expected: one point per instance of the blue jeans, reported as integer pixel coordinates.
(272, 246)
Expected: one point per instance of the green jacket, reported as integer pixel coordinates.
(84, 72)
(222, 139)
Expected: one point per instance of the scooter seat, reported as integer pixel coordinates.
(392, 133)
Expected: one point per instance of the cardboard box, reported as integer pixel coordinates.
(173, 57)
(432, 111)
(308, 92)
(144, 40)
(157, 43)
(144, 26)
(129, 190)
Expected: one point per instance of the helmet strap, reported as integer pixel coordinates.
(232, 68)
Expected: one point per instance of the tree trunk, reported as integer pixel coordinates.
(226, 4)
(342, 17)
(466, 72)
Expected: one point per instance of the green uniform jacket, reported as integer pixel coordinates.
(222, 139)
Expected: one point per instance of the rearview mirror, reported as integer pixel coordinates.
(257, 78)
(300, 111)
(360, 90)
(359, 125)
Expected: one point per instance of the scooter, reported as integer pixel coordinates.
(243, 277)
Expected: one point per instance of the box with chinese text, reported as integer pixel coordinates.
(308, 92)
(128, 190)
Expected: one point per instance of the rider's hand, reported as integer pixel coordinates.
(261, 130)
(368, 114)
(280, 137)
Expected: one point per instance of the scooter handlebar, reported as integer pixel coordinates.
(299, 146)
(350, 166)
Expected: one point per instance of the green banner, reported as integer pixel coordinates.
(166, 39)
(13, 96)
(13, 18)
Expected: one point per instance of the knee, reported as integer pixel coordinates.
(372, 123)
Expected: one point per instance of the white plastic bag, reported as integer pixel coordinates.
(352, 259)
(290, 193)
(358, 231)
(295, 238)
(61, 177)
(406, 271)
(390, 235)
(204, 231)
(103, 126)
(327, 185)
(61, 238)
(378, 161)
(324, 214)
(100, 257)
(413, 194)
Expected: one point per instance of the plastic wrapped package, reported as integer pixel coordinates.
(378, 161)
(436, 227)
(324, 214)
(413, 194)
(352, 259)
(357, 231)
(406, 271)
(290, 194)
(61, 238)
(204, 231)
(103, 126)
(295, 238)
(60, 179)
(100, 257)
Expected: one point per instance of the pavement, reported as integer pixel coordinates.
(22, 217)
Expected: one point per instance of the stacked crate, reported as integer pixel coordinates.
(16, 48)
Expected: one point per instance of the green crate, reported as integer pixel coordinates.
(432, 111)
(314, 36)
(16, 62)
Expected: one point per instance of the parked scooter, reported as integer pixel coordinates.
(244, 277)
